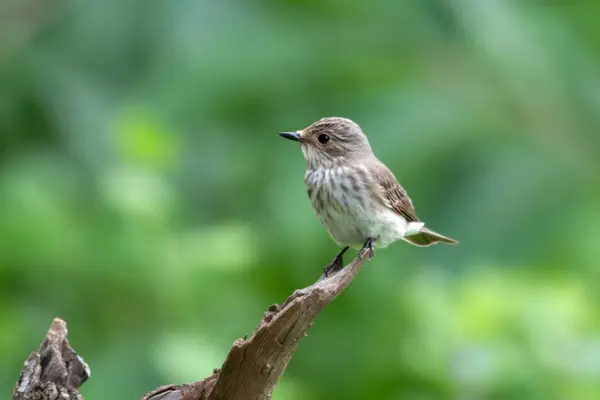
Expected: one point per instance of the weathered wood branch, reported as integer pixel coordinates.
(53, 372)
(250, 371)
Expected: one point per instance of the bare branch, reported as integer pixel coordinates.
(250, 371)
(254, 365)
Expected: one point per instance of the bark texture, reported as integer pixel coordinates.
(55, 371)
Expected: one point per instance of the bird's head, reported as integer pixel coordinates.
(330, 141)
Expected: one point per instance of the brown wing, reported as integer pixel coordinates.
(393, 194)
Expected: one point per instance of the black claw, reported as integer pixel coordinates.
(335, 265)
(368, 247)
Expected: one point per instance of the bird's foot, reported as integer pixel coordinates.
(336, 264)
(368, 248)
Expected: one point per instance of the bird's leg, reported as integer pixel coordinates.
(368, 247)
(335, 265)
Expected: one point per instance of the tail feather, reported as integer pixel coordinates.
(426, 237)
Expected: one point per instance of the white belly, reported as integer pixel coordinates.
(354, 228)
(350, 219)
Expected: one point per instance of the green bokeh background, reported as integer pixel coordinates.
(146, 198)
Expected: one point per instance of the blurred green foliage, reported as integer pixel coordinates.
(146, 198)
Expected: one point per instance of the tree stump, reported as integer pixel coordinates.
(55, 371)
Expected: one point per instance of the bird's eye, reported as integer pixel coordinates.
(323, 138)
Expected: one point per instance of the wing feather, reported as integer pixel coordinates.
(392, 193)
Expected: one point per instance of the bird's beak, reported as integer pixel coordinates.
(295, 136)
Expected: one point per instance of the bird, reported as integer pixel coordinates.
(356, 197)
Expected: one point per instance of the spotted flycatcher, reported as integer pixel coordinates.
(355, 195)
